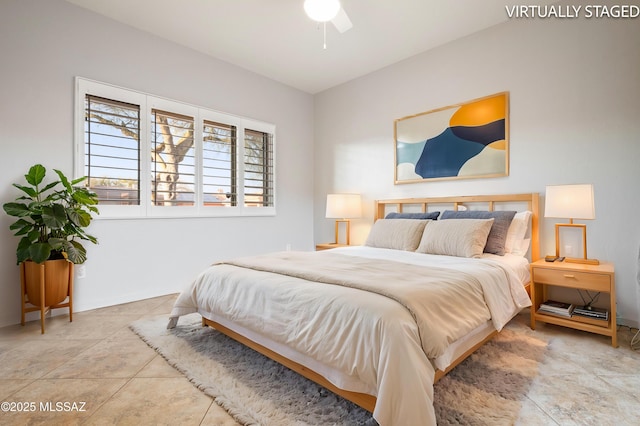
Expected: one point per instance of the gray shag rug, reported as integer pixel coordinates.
(487, 388)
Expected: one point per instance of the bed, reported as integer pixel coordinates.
(357, 320)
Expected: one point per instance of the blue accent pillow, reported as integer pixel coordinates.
(498, 233)
(421, 216)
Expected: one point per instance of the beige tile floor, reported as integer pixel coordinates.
(113, 377)
(97, 360)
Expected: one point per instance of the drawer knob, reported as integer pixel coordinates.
(569, 276)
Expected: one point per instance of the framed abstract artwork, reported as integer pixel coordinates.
(468, 140)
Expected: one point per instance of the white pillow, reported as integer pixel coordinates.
(397, 234)
(522, 248)
(456, 237)
(516, 234)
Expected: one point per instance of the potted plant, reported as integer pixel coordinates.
(51, 221)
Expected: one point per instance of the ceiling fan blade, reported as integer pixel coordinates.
(342, 21)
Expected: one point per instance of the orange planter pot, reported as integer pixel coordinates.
(57, 276)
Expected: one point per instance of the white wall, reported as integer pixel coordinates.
(44, 45)
(575, 118)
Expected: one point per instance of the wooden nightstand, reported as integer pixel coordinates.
(598, 278)
(327, 246)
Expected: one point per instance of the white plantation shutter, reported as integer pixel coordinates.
(112, 150)
(258, 169)
(219, 171)
(173, 155)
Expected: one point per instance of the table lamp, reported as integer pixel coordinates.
(572, 202)
(343, 207)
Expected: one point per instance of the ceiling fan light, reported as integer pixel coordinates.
(322, 10)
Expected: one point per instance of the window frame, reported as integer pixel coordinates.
(147, 103)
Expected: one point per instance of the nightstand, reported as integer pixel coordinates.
(597, 278)
(327, 246)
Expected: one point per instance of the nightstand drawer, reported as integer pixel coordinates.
(581, 280)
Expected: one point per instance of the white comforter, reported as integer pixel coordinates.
(372, 339)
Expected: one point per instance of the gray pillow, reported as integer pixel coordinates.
(498, 233)
(420, 216)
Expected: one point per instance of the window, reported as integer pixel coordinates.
(112, 150)
(219, 152)
(258, 169)
(194, 166)
(173, 168)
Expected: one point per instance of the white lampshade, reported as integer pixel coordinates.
(322, 10)
(343, 206)
(570, 201)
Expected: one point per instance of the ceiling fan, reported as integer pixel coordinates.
(323, 11)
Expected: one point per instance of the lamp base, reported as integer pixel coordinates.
(583, 261)
(348, 231)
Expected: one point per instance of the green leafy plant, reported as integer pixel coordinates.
(51, 219)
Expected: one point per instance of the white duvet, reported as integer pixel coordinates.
(373, 340)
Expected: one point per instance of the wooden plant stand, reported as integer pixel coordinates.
(27, 306)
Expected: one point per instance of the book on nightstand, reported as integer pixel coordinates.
(557, 308)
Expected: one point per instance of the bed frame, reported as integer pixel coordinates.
(382, 207)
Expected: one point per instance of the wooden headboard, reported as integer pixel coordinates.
(472, 202)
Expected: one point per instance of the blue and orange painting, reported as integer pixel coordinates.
(462, 141)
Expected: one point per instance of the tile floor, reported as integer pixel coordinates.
(113, 377)
(98, 360)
